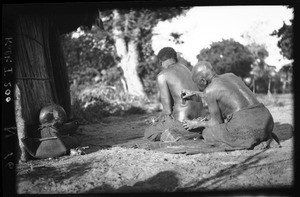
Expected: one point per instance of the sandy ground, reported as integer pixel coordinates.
(107, 167)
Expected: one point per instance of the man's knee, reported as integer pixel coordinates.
(208, 136)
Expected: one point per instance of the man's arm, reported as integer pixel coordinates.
(214, 111)
(192, 95)
(215, 115)
(165, 97)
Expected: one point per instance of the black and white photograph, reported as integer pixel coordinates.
(148, 97)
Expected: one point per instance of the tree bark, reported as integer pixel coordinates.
(127, 50)
(129, 65)
(269, 86)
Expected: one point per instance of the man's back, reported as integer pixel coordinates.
(178, 77)
(231, 93)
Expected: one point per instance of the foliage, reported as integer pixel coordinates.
(176, 38)
(96, 78)
(286, 77)
(87, 57)
(262, 73)
(92, 103)
(92, 57)
(136, 25)
(228, 56)
(285, 43)
(142, 19)
(148, 73)
(258, 51)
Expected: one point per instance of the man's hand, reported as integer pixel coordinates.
(192, 124)
(162, 115)
(187, 94)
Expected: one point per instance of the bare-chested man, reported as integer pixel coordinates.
(237, 118)
(171, 81)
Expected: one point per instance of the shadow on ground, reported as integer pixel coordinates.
(167, 181)
(232, 172)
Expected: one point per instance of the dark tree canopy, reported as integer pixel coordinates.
(228, 56)
(285, 35)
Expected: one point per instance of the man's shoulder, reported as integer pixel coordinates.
(228, 78)
(162, 73)
(162, 76)
(228, 75)
(218, 85)
(165, 72)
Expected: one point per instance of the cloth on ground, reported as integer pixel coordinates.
(188, 147)
(169, 129)
(243, 129)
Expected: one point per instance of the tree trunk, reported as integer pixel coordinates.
(127, 50)
(254, 85)
(284, 86)
(129, 65)
(269, 86)
(40, 73)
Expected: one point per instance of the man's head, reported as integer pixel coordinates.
(167, 53)
(202, 74)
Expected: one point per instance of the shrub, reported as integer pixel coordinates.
(92, 103)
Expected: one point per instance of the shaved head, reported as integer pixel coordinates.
(204, 70)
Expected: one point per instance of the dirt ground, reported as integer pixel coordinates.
(108, 167)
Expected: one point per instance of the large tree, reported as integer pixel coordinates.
(259, 67)
(131, 30)
(286, 44)
(228, 56)
(286, 74)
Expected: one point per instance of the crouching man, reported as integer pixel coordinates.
(237, 118)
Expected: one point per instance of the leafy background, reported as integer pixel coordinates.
(97, 83)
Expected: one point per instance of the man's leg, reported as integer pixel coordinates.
(219, 135)
(168, 129)
(154, 132)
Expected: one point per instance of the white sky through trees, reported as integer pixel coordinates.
(203, 25)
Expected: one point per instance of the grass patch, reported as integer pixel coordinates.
(270, 100)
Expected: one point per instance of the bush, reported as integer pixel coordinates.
(92, 103)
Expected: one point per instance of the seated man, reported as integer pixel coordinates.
(236, 116)
(171, 80)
